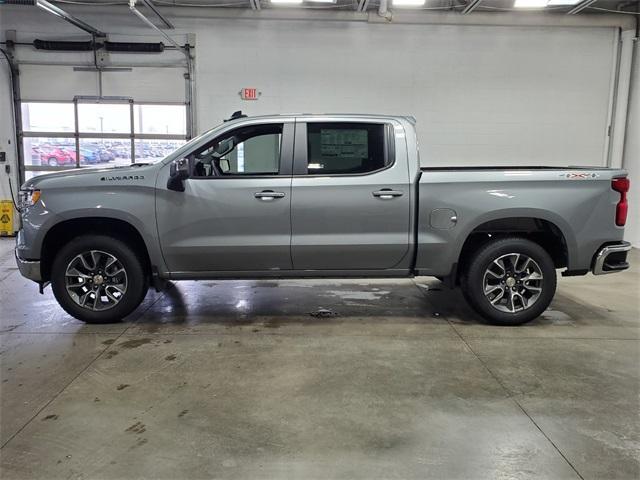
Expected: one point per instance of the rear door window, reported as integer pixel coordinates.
(342, 148)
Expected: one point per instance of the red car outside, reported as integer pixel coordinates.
(54, 156)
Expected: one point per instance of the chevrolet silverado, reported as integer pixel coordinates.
(318, 196)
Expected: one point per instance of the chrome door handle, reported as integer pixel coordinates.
(387, 193)
(267, 195)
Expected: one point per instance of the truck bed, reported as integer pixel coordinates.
(454, 202)
(509, 167)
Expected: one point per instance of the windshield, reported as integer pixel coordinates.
(187, 147)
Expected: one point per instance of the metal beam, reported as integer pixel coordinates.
(140, 15)
(14, 74)
(581, 6)
(58, 12)
(383, 10)
(152, 7)
(362, 6)
(471, 6)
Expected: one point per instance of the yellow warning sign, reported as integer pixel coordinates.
(6, 217)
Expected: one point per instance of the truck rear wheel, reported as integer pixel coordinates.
(510, 281)
(98, 279)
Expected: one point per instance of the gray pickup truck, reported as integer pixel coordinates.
(318, 196)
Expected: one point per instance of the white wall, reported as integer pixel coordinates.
(631, 160)
(481, 95)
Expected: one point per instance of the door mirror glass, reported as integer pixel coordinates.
(178, 173)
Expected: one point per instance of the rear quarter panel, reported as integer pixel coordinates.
(580, 203)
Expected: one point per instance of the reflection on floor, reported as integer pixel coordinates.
(321, 379)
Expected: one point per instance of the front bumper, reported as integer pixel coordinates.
(611, 259)
(29, 268)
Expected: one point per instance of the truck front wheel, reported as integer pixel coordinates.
(510, 281)
(98, 279)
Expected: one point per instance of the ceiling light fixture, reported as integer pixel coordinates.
(562, 2)
(286, 2)
(407, 3)
(530, 3)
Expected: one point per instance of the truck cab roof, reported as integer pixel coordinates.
(356, 116)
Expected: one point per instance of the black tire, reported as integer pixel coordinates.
(473, 281)
(52, 161)
(136, 279)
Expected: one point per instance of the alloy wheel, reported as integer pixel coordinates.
(96, 280)
(513, 282)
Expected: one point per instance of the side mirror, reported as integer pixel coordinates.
(178, 173)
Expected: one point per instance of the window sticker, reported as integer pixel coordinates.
(345, 143)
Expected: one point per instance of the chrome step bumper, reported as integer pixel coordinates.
(611, 259)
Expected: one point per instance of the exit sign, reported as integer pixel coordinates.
(249, 93)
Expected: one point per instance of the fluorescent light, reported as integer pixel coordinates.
(287, 2)
(562, 2)
(530, 3)
(322, 1)
(408, 3)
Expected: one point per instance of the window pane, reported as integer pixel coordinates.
(343, 148)
(104, 118)
(105, 151)
(160, 119)
(154, 150)
(47, 117)
(55, 152)
(251, 150)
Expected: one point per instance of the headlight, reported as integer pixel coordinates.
(29, 198)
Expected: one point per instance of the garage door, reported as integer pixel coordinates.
(84, 118)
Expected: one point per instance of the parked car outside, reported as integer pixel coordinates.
(55, 156)
(87, 156)
(106, 155)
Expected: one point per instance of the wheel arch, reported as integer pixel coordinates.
(65, 230)
(540, 229)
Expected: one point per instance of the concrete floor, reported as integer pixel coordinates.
(237, 380)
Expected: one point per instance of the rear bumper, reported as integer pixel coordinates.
(29, 268)
(611, 259)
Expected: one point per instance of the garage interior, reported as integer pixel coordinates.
(321, 378)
